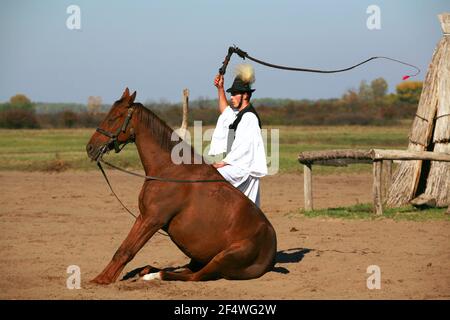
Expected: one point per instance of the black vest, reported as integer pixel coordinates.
(232, 128)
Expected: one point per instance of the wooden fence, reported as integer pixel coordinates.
(382, 167)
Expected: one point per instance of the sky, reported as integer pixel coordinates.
(158, 48)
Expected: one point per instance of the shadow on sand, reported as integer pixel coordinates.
(293, 255)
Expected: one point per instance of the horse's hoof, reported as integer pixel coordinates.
(147, 270)
(152, 276)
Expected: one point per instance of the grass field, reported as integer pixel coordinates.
(365, 212)
(59, 149)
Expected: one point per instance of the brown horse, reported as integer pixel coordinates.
(224, 233)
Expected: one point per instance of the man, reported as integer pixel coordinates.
(238, 134)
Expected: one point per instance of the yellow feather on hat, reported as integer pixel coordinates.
(245, 72)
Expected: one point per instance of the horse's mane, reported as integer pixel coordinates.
(158, 128)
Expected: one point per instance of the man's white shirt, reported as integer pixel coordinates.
(247, 151)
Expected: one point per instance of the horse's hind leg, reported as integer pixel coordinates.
(191, 267)
(230, 263)
(194, 265)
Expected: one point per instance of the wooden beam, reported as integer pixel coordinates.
(377, 198)
(307, 186)
(380, 154)
(345, 156)
(332, 155)
(341, 162)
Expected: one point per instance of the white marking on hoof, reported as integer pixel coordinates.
(152, 276)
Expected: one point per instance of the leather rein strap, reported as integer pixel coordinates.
(159, 178)
(110, 187)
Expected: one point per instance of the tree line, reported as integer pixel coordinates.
(369, 104)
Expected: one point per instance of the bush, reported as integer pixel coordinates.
(18, 119)
(409, 91)
(89, 120)
(69, 119)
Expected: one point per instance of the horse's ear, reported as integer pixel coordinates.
(126, 93)
(132, 97)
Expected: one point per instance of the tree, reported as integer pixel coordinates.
(350, 97)
(409, 91)
(379, 88)
(18, 113)
(19, 99)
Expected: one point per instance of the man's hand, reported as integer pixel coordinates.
(220, 164)
(218, 81)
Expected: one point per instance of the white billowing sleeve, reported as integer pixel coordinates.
(220, 135)
(247, 151)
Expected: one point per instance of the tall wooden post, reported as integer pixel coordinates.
(377, 198)
(184, 124)
(386, 177)
(307, 174)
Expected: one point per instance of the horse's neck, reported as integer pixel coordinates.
(153, 157)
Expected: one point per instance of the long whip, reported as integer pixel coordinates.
(244, 55)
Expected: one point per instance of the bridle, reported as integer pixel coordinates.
(118, 146)
(113, 137)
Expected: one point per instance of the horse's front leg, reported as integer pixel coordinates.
(142, 230)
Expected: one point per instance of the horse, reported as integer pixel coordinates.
(225, 235)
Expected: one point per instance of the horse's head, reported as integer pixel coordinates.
(115, 129)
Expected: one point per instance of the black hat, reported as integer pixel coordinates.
(239, 86)
(245, 76)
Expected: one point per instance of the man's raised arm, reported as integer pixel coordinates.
(218, 82)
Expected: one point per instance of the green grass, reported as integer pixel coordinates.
(365, 211)
(29, 150)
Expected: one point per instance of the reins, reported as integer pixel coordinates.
(112, 190)
(160, 178)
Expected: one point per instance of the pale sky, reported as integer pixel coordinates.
(160, 47)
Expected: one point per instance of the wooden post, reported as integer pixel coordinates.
(184, 124)
(307, 174)
(377, 198)
(448, 199)
(386, 179)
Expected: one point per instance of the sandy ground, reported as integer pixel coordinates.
(51, 221)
